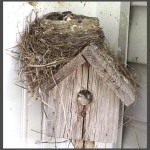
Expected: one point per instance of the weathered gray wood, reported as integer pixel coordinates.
(102, 114)
(82, 143)
(64, 72)
(104, 65)
(69, 89)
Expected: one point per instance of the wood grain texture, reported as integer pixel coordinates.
(101, 120)
(64, 72)
(104, 65)
(102, 114)
(69, 89)
(82, 143)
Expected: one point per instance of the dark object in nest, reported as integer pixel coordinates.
(47, 44)
(84, 97)
(58, 16)
(55, 16)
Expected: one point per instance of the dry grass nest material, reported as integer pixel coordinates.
(50, 42)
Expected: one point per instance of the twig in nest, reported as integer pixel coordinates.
(30, 100)
(39, 132)
(49, 64)
(70, 141)
(136, 133)
(12, 51)
(44, 111)
(21, 86)
(133, 121)
(12, 56)
(42, 99)
(39, 142)
(126, 122)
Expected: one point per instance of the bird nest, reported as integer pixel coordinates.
(50, 42)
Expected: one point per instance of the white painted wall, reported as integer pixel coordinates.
(136, 130)
(20, 118)
(136, 137)
(137, 51)
(13, 102)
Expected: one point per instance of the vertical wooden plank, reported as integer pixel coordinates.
(84, 83)
(71, 125)
(91, 108)
(85, 73)
(105, 103)
(77, 120)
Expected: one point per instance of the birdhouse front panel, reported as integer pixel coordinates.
(102, 115)
(83, 107)
(66, 119)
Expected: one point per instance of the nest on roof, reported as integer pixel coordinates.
(50, 42)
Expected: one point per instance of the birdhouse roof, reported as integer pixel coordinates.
(105, 66)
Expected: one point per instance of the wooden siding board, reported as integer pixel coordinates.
(69, 88)
(102, 113)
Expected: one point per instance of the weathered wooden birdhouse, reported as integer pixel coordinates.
(87, 96)
(86, 84)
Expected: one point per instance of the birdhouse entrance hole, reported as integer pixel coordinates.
(84, 97)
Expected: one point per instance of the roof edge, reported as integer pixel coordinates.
(104, 65)
(64, 72)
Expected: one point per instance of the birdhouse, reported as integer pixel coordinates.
(85, 84)
(86, 96)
